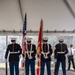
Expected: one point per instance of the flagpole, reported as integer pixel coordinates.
(25, 45)
(6, 63)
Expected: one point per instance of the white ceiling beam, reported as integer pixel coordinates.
(69, 7)
(20, 9)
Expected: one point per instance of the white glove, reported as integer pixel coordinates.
(55, 60)
(23, 60)
(5, 60)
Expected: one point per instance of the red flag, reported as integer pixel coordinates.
(24, 37)
(39, 46)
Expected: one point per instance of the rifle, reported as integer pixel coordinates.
(55, 66)
(55, 69)
(6, 70)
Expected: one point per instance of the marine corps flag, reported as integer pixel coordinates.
(39, 46)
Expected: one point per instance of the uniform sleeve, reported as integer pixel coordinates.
(55, 52)
(50, 50)
(34, 49)
(20, 49)
(6, 53)
(66, 49)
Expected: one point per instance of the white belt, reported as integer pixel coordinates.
(29, 51)
(45, 53)
(14, 52)
(60, 52)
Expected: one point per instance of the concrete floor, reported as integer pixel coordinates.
(71, 72)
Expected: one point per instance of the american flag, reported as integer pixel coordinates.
(24, 34)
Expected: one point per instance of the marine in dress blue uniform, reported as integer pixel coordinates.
(14, 50)
(46, 56)
(30, 57)
(59, 56)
